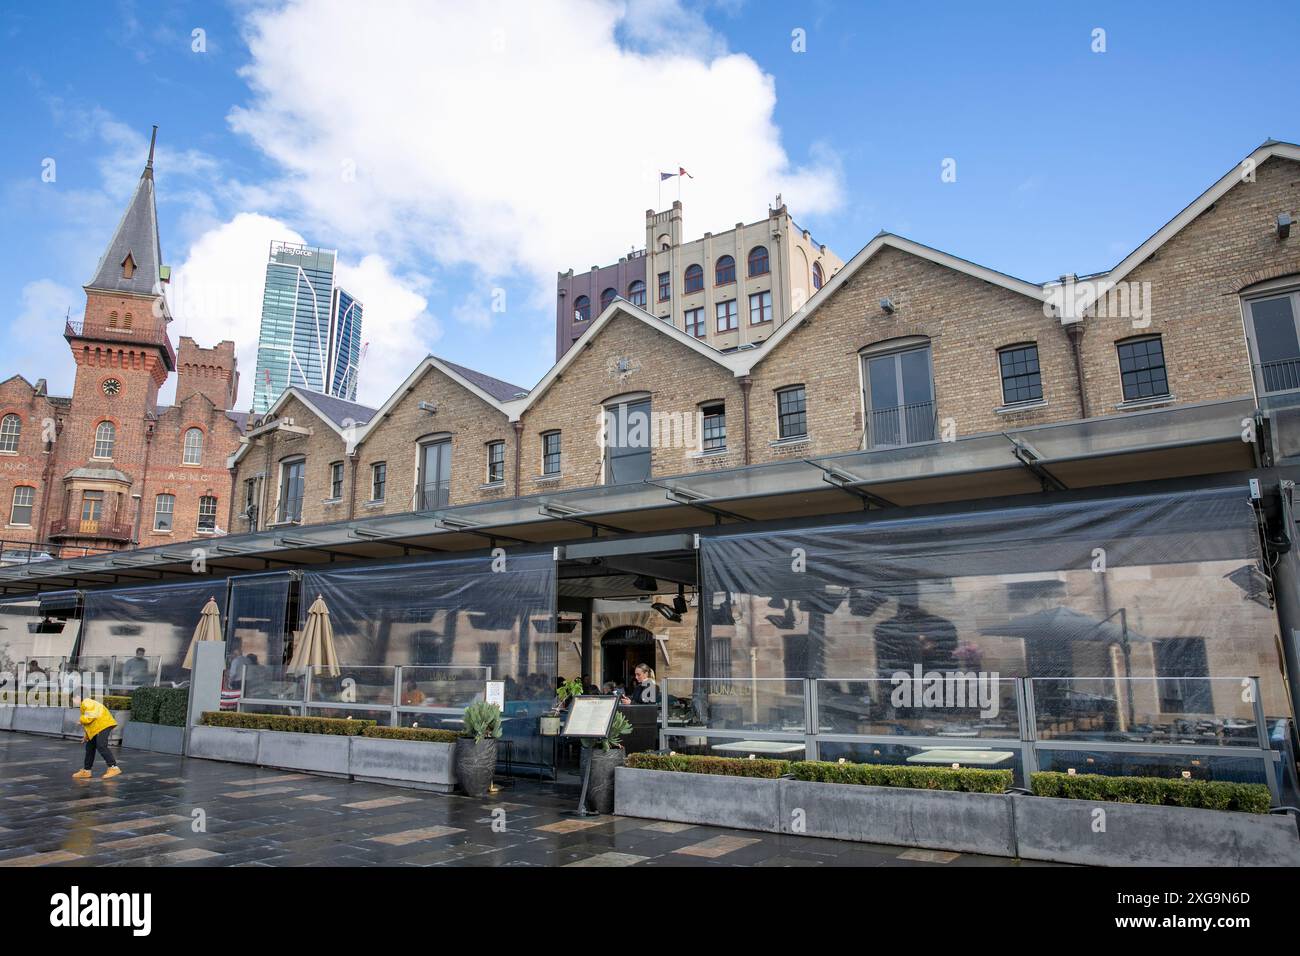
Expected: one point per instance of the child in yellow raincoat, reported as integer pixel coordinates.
(95, 724)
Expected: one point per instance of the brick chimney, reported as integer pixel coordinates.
(211, 372)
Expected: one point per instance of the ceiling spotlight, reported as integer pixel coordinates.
(667, 611)
(679, 602)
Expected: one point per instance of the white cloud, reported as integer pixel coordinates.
(36, 334)
(513, 137)
(217, 294)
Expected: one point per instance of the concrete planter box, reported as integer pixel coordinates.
(418, 764)
(7, 716)
(1052, 828)
(317, 753)
(749, 803)
(72, 724)
(899, 816)
(48, 721)
(153, 737)
(232, 744)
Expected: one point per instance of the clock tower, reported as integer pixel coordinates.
(124, 356)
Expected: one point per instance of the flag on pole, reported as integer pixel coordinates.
(681, 171)
(663, 176)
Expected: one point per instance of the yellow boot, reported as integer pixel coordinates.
(112, 772)
(81, 775)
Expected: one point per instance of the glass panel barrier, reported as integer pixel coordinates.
(715, 746)
(443, 686)
(1217, 764)
(273, 682)
(994, 757)
(138, 670)
(354, 685)
(960, 706)
(1187, 711)
(770, 705)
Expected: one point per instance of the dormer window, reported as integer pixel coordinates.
(128, 266)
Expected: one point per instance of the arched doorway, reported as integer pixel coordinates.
(621, 649)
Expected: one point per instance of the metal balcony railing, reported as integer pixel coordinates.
(900, 425)
(1280, 376)
(145, 335)
(89, 528)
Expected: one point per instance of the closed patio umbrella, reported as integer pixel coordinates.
(316, 648)
(208, 629)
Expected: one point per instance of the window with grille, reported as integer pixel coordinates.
(378, 479)
(496, 462)
(164, 507)
(694, 279)
(714, 427)
(792, 412)
(695, 323)
(336, 480)
(551, 453)
(728, 317)
(207, 513)
(724, 270)
(1021, 379)
(21, 512)
(758, 261)
(760, 308)
(1142, 369)
(193, 454)
(665, 286)
(105, 439)
(11, 429)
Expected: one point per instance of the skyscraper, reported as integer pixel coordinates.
(311, 328)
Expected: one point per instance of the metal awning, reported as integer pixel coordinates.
(1137, 446)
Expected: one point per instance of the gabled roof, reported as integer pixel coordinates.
(337, 413)
(137, 237)
(886, 240)
(501, 391)
(1266, 150)
(731, 361)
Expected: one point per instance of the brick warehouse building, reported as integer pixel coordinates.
(108, 468)
(947, 445)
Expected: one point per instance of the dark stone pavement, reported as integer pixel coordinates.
(172, 811)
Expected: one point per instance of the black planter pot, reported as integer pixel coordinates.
(600, 786)
(476, 762)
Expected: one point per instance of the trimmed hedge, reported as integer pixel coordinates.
(426, 734)
(160, 705)
(332, 726)
(722, 766)
(116, 701)
(963, 780)
(1157, 791)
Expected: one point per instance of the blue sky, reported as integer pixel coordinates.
(453, 152)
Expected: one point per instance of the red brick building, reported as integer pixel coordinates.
(109, 468)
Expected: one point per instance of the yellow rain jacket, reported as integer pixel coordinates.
(95, 717)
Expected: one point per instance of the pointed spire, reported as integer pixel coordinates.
(136, 239)
(148, 166)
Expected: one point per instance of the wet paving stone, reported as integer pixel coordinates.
(275, 818)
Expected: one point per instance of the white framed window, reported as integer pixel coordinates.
(207, 514)
(378, 480)
(164, 510)
(193, 448)
(21, 512)
(105, 439)
(11, 429)
(293, 486)
(496, 462)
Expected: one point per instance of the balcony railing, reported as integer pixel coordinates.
(900, 425)
(80, 328)
(431, 497)
(1280, 376)
(90, 528)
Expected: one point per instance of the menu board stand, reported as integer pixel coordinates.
(590, 718)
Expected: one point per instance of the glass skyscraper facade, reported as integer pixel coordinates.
(311, 329)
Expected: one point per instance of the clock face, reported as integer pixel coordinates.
(112, 386)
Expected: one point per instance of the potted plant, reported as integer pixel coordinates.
(476, 748)
(604, 756)
(552, 719)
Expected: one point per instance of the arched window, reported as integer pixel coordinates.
(606, 297)
(581, 309)
(758, 261)
(105, 438)
(11, 429)
(694, 278)
(636, 293)
(817, 275)
(193, 454)
(126, 323)
(724, 271)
